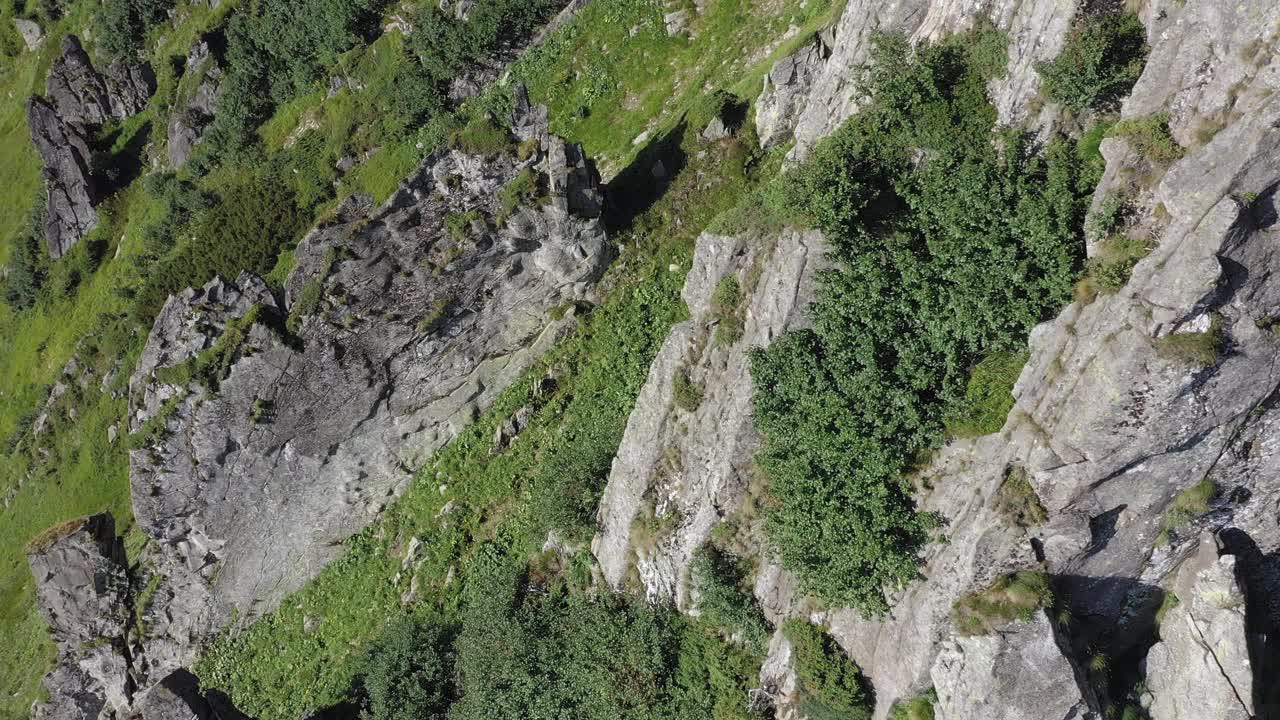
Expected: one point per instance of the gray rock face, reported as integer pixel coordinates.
(786, 88)
(404, 334)
(80, 98)
(69, 185)
(1037, 30)
(1201, 666)
(83, 95)
(82, 589)
(1017, 674)
(691, 469)
(31, 33)
(201, 87)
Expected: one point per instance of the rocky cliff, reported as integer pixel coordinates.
(1111, 428)
(273, 429)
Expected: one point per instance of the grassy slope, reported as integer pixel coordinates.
(85, 474)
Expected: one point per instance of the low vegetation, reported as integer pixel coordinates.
(686, 393)
(727, 312)
(1102, 59)
(724, 598)
(1017, 500)
(1195, 349)
(988, 398)
(1186, 507)
(919, 708)
(939, 265)
(1150, 137)
(1017, 596)
(829, 685)
(1112, 264)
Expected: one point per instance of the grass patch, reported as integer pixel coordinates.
(482, 137)
(1017, 596)
(919, 708)
(519, 190)
(1186, 506)
(727, 311)
(1108, 271)
(829, 684)
(687, 394)
(988, 397)
(1017, 500)
(1195, 349)
(1149, 135)
(459, 225)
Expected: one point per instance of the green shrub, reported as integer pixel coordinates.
(1017, 596)
(727, 310)
(407, 673)
(1111, 213)
(1149, 135)
(307, 303)
(1197, 349)
(989, 396)
(1103, 58)
(830, 686)
(121, 25)
(1017, 500)
(941, 260)
(724, 596)
(687, 395)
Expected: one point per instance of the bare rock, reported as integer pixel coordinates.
(785, 90)
(201, 85)
(83, 95)
(1016, 674)
(32, 34)
(400, 336)
(69, 185)
(82, 589)
(1201, 667)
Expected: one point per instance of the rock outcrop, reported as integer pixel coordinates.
(82, 588)
(70, 190)
(1201, 667)
(85, 96)
(198, 93)
(1017, 674)
(400, 333)
(80, 99)
(826, 86)
(689, 468)
(32, 34)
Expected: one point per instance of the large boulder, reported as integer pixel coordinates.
(81, 94)
(403, 324)
(71, 191)
(785, 90)
(1018, 673)
(82, 589)
(1201, 668)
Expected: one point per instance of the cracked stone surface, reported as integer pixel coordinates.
(409, 334)
(1200, 667)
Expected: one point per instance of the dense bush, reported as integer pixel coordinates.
(948, 249)
(121, 25)
(407, 673)
(1103, 58)
(28, 263)
(830, 686)
(253, 218)
(724, 600)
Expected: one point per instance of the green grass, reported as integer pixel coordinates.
(606, 84)
(1149, 135)
(1017, 500)
(988, 397)
(1194, 349)
(1017, 596)
(1186, 506)
(919, 708)
(687, 394)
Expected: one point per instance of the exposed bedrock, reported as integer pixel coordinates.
(402, 332)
